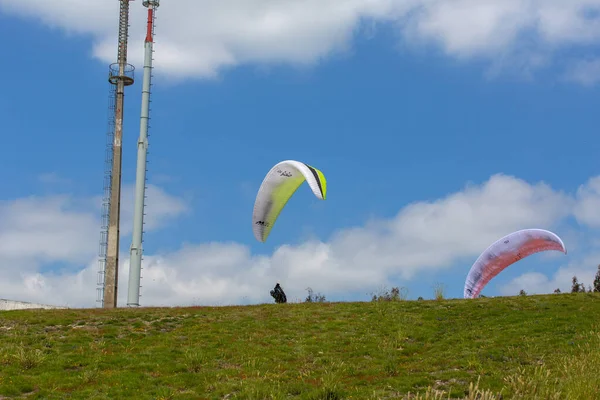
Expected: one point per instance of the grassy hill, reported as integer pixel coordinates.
(549, 345)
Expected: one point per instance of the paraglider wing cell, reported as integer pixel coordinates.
(280, 183)
(507, 251)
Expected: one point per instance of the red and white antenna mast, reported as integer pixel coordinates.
(135, 252)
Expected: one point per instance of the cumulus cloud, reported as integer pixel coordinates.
(199, 39)
(62, 232)
(584, 72)
(540, 283)
(54, 228)
(587, 210)
(160, 208)
(423, 237)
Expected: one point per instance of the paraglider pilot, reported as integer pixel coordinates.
(278, 294)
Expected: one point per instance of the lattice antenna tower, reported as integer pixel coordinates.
(135, 252)
(120, 75)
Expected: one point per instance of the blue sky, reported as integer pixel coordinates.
(400, 127)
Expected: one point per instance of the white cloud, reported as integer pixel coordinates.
(62, 288)
(584, 72)
(539, 283)
(160, 208)
(587, 209)
(55, 228)
(52, 178)
(63, 230)
(198, 39)
(424, 237)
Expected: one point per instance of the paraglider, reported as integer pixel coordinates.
(506, 251)
(278, 294)
(280, 183)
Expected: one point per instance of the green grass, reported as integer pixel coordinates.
(528, 347)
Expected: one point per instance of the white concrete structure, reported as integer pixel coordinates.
(6, 305)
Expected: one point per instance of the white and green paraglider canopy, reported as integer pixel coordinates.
(280, 183)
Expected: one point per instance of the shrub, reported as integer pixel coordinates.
(396, 294)
(314, 298)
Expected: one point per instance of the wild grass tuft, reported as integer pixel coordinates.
(438, 291)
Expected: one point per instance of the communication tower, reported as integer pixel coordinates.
(135, 252)
(120, 75)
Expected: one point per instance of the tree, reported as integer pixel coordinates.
(557, 291)
(597, 281)
(522, 293)
(575, 286)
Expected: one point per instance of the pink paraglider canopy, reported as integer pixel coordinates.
(507, 251)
